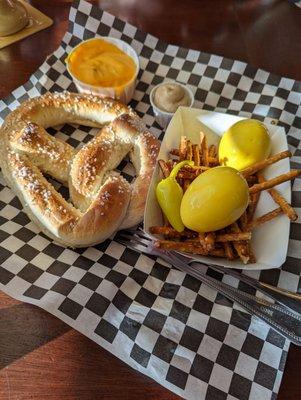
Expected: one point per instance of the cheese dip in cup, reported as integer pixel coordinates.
(104, 66)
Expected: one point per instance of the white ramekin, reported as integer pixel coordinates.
(163, 117)
(126, 93)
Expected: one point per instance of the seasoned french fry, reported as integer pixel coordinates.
(212, 160)
(206, 240)
(202, 139)
(188, 248)
(196, 155)
(174, 152)
(252, 259)
(186, 184)
(170, 164)
(262, 164)
(275, 181)
(183, 148)
(254, 198)
(164, 168)
(204, 149)
(233, 241)
(189, 151)
(219, 237)
(193, 168)
(201, 237)
(190, 172)
(242, 247)
(163, 230)
(187, 175)
(233, 237)
(265, 218)
(210, 241)
(228, 250)
(252, 179)
(243, 221)
(212, 151)
(286, 207)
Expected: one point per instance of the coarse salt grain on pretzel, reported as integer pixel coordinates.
(95, 162)
(104, 201)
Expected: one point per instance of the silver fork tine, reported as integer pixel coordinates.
(133, 246)
(284, 297)
(139, 231)
(134, 239)
(128, 236)
(278, 317)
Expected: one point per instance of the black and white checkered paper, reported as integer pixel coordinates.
(158, 320)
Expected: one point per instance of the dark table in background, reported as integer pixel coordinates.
(40, 356)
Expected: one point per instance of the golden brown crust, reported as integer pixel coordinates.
(109, 206)
(102, 196)
(67, 107)
(48, 153)
(148, 147)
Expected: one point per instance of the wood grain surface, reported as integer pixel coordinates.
(40, 356)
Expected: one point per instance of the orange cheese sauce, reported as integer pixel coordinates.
(101, 63)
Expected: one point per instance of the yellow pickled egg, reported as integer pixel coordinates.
(214, 200)
(244, 143)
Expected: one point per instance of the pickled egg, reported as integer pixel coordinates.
(244, 143)
(214, 200)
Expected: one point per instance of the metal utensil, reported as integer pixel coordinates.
(288, 299)
(278, 316)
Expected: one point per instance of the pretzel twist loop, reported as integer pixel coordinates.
(103, 201)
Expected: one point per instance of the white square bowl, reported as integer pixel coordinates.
(270, 240)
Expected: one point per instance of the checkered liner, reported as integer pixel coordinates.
(158, 320)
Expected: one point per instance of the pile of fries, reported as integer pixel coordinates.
(234, 241)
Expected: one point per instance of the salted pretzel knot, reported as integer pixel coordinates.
(102, 200)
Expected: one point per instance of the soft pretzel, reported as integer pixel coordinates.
(103, 201)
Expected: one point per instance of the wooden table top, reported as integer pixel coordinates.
(40, 356)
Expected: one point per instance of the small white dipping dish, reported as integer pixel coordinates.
(163, 117)
(125, 93)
